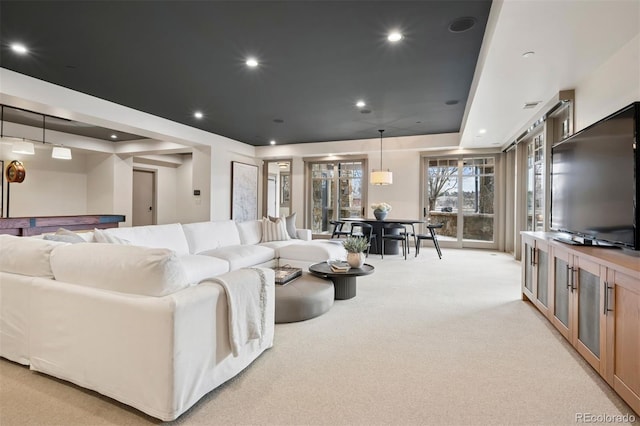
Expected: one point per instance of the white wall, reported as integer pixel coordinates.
(184, 184)
(200, 206)
(109, 185)
(51, 187)
(404, 194)
(614, 85)
(194, 173)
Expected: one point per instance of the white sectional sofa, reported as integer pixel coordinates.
(232, 245)
(147, 322)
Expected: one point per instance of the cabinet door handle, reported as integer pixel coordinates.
(606, 298)
(533, 256)
(572, 280)
(569, 286)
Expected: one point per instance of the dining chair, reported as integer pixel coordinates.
(395, 232)
(339, 229)
(430, 236)
(411, 232)
(361, 229)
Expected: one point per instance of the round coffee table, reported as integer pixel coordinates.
(344, 283)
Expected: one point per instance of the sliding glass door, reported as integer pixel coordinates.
(460, 194)
(335, 192)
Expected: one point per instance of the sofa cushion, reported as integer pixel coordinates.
(290, 222)
(198, 267)
(100, 236)
(170, 236)
(123, 268)
(250, 231)
(275, 245)
(203, 236)
(242, 256)
(313, 251)
(274, 230)
(26, 256)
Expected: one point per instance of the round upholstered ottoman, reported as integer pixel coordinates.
(304, 298)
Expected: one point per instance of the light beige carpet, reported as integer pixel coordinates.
(424, 342)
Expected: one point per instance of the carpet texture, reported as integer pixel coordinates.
(424, 342)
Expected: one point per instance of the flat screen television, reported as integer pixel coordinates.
(595, 182)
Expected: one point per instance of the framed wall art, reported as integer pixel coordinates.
(244, 191)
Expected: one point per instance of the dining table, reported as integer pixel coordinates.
(390, 247)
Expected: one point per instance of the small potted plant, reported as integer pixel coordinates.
(355, 247)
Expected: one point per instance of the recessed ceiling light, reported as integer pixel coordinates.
(272, 142)
(198, 115)
(114, 136)
(482, 131)
(360, 104)
(394, 36)
(19, 48)
(461, 25)
(528, 54)
(252, 62)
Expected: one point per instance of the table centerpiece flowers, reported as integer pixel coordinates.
(380, 210)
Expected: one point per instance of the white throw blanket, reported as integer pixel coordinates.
(246, 291)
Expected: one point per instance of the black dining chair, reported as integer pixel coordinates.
(395, 232)
(339, 229)
(361, 229)
(411, 232)
(430, 236)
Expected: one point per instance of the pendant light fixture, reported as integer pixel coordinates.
(58, 152)
(381, 177)
(61, 153)
(22, 147)
(17, 146)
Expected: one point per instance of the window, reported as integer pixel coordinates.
(336, 192)
(535, 183)
(460, 194)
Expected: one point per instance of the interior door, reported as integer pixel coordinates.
(143, 198)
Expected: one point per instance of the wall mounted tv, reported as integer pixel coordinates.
(595, 182)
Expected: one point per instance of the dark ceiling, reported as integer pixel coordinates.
(317, 58)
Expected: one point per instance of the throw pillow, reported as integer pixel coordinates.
(102, 237)
(65, 236)
(290, 223)
(274, 231)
